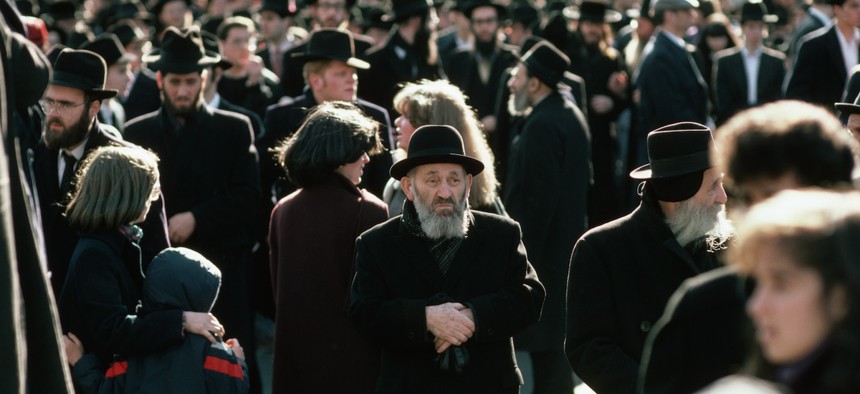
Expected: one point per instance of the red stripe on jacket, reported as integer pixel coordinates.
(223, 366)
(116, 369)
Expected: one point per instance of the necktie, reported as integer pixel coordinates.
(68, 172)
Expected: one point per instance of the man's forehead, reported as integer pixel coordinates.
(59, 92)
(440, 168)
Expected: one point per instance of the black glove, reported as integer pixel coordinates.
(454, 359)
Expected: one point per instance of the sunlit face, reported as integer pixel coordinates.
(403, 131)
(518, 102)
(848, 13)
(237, 45)
(683, 19)
(485, 23)
(854, 126)
(711, 192)
(329, 13)
(338, 81)
(791, 313)
(119, 78)
(353, 171)
(516, 33)
(272, 25)
(67, 116)
(754, 33)
(173, 14)
(181, 92)
(440, 186)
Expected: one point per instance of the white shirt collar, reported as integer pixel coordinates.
(215, 102)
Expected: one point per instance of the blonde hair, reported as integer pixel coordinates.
(441, 103)
(114, 186)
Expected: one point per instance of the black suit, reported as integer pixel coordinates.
(144, 96)
(60, 238)
(463, 72)
(819, 74)
(621, 276)
(256, 123)
(284, 119)
(396, 277)
(293, 82)
(730, 81)
(701, 336)
(388, 70)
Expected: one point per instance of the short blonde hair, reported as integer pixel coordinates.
(114, 186)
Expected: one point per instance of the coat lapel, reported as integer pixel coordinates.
(419, 257)
(466, 255)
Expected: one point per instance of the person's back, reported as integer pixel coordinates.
(176, 278)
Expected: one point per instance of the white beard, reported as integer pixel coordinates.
(444, 225)
(693, 222)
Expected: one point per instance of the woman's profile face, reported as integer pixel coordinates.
(403, 132)
(791, 314)
(354, 171)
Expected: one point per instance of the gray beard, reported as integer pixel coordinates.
(518, 104)
(693, 222)
(442, 226)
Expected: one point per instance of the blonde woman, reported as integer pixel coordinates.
(103, 287)
(441, 103)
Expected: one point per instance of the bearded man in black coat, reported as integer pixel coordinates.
(622, 273)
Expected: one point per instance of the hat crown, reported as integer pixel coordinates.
(404, 8)
(753, 10)
(181, 52)
(432, 144)
(81, 69)
(546, 62)
(187, 45)
(108, 47)
(678, 149)
(332, 43)
(661, 5)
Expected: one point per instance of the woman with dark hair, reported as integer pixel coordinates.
(99, 299)
(717, 35)
(801, 248)
(312, 236)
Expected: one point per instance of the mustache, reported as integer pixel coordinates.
(439, 200)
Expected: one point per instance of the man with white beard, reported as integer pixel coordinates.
(442, 289)
(623, 273)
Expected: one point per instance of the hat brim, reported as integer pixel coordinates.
(847, 108)
(350, 61)
(501, 11)
(641, 172)
(155, 62)
(609, 16)
(402, 167)
(411, 9)
(95, 94)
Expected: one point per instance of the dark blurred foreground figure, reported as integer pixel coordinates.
(443, 289)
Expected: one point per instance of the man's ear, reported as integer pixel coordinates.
(158, 80)
(468, 185)
(314, 81)
(95, 106)
(406, 186)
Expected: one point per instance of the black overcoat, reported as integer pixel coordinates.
(819, 73)
(396, 277)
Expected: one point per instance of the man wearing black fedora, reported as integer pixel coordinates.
(209, 174)
(548, 173)
(118, 77)
(441, 289)
(329, 67)
(605, 74)
(850, 114)
(752, 74)
(278, 33)
(622, 273)
(479, 70)
(71, 132)
(409, 53)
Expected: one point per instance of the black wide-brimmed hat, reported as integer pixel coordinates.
(280, 7)
(109, 47)
(546, 62)
(849, 108)
(181, 52)
(84, 70)
(755, 10)
(127, 33)
(210, 44)
(592, 11)
(436, 144)
(333, 44)
(469, 6)
(400, 9)
(662, 5)
(676, 149)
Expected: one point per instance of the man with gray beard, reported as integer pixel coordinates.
(442, 289)
(622, 273)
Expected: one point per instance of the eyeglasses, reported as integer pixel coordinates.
(61, 106)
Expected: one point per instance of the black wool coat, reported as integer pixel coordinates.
(621, 276)
(818, 75)
(396, 278)
(730, 81)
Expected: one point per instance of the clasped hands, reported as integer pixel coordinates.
(450, 323)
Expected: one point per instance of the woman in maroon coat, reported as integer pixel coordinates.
(312, 239)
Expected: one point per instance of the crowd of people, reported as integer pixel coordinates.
(418, 196)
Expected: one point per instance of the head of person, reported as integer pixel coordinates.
(847, 12)
(485, 20)
(717, 34)
(330, 14)
(436, 177)
(783, 145)
(237, 36)
(133, 40)
(335, 140)
(73, 97)
(119, 76)
(686, 185)
(212, 45)
(594, 17)
(274, 19)
(754, 17)
(330, 65)
(441, 103)
(418, 19)
(180, 279)
(801, 248)
(172, 13)
(675, 16)
(181, 66)
(521, 24)
(115, 187)
(539, 72)
(851, 113)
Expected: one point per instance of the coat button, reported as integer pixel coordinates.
(645, 326)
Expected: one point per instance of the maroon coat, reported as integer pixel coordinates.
(312, 236)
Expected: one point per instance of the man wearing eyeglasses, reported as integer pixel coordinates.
(71, 130)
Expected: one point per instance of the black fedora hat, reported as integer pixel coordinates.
(109, 47)
(848, 108)
(400, 9)
(755, 10)
(280, 7)
(546, 62)
(592, 11)
(676, 149)
(84, 70)
(334, 44)
(469, 6)
(181, 52)
(436, 144)
(524, 14)
(127, 33)
(210, 44)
